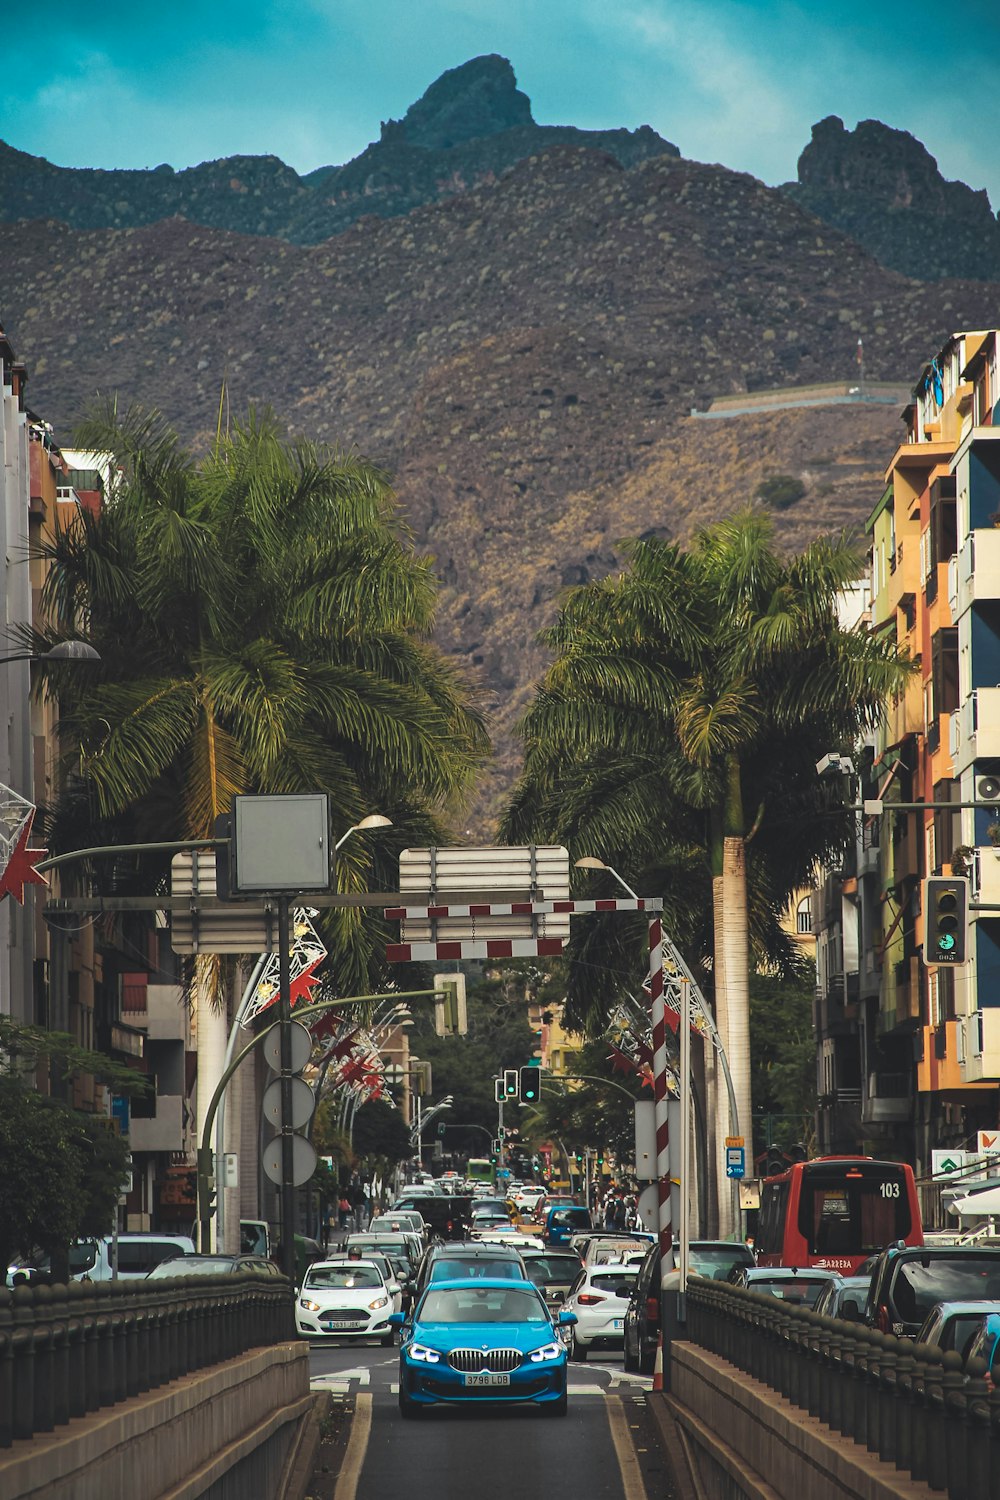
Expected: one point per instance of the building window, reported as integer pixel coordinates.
(803, 917)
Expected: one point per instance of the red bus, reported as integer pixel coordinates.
(836, 1211)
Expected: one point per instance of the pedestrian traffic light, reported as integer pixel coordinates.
(530, 1086)
(946, 911)
(510, 1083)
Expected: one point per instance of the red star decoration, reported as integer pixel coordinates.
(303, 984)
(20, 869)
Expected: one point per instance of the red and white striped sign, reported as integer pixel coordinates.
(491, 947)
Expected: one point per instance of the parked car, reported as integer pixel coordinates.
(795, 1284)
(844, 1297)
(953, 1325)
(560, 1223)
(910, 1280)
(475, 1261)
(471, 1342)
(600, 1297)
(345, 1299)
(212, 1265)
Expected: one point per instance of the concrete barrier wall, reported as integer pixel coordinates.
(226, 1429)
(745, 1442)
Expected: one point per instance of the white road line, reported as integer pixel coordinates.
(628, 1461)
(357, 1447)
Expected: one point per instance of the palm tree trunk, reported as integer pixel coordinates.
(718, 1114)
(735, 939)
(211, 1019)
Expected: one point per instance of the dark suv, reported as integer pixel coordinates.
(712, 1258)
(450, 1262)
(909, 1280)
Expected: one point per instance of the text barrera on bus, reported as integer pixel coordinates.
(836, 1211)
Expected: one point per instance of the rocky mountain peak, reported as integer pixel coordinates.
(889, 165)
(480, 98)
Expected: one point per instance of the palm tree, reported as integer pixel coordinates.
(263, 624)
(678, 729)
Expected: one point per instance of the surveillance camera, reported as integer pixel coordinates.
(834, 765)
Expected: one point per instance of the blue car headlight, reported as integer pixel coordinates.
(547, 1351)
(423, 1354)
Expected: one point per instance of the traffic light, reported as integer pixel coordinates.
(498, 1090)
(497, 1146)
(946, 913)
(530, 1086)
(511, 1083)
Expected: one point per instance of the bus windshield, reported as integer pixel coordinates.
(479, 1169)
(848, 1209)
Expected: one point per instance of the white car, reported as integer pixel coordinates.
(344, 1299)
(599, 1296)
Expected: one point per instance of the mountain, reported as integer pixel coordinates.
(883, 188)
(524, 357)
(470, 126)
(878, 185)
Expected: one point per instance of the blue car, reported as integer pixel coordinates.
(470, 1342)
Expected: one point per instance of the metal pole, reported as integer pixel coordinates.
(220, 1123)
(287, 1134)
(685, 1141)
(659, 1028)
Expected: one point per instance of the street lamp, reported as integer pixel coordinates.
(61, 651)
(589, 862)
(373, 820)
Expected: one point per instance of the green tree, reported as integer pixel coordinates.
(60, 1170)
(264, 626)
(676, 734)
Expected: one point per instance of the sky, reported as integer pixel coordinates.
(133, 83)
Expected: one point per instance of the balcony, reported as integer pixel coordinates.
(904, 572)
(164, 1131)
(974, 575)
(981, 1037)
(985, 879)
(889, 1098)
(975, 729)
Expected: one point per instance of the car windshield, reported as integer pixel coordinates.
(342, 1276)
(918, 1287)
(479, 1269)
(564, 1216)
(474, 1304)
(82, 1256)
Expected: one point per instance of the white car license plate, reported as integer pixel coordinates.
(336, 1323)
(487, 1379)
(618, 1324)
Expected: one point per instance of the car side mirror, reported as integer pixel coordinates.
(396, 1319)
(566, 1319)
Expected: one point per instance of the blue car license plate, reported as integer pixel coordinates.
(618, 1324)
(487, 1379)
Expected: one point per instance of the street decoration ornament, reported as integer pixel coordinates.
(305, 955)
(17, 861)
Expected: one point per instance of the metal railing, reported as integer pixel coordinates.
(919, 1410)
(67, 1351)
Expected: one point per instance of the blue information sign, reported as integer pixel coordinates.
(736, 1161)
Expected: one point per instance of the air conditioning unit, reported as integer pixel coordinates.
(988, 789)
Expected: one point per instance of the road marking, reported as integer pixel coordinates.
(357, 1447)
(628, 1461)
(340, 1380)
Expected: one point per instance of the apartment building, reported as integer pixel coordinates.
(909, 1056)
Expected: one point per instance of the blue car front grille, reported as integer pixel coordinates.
(496, 1361)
